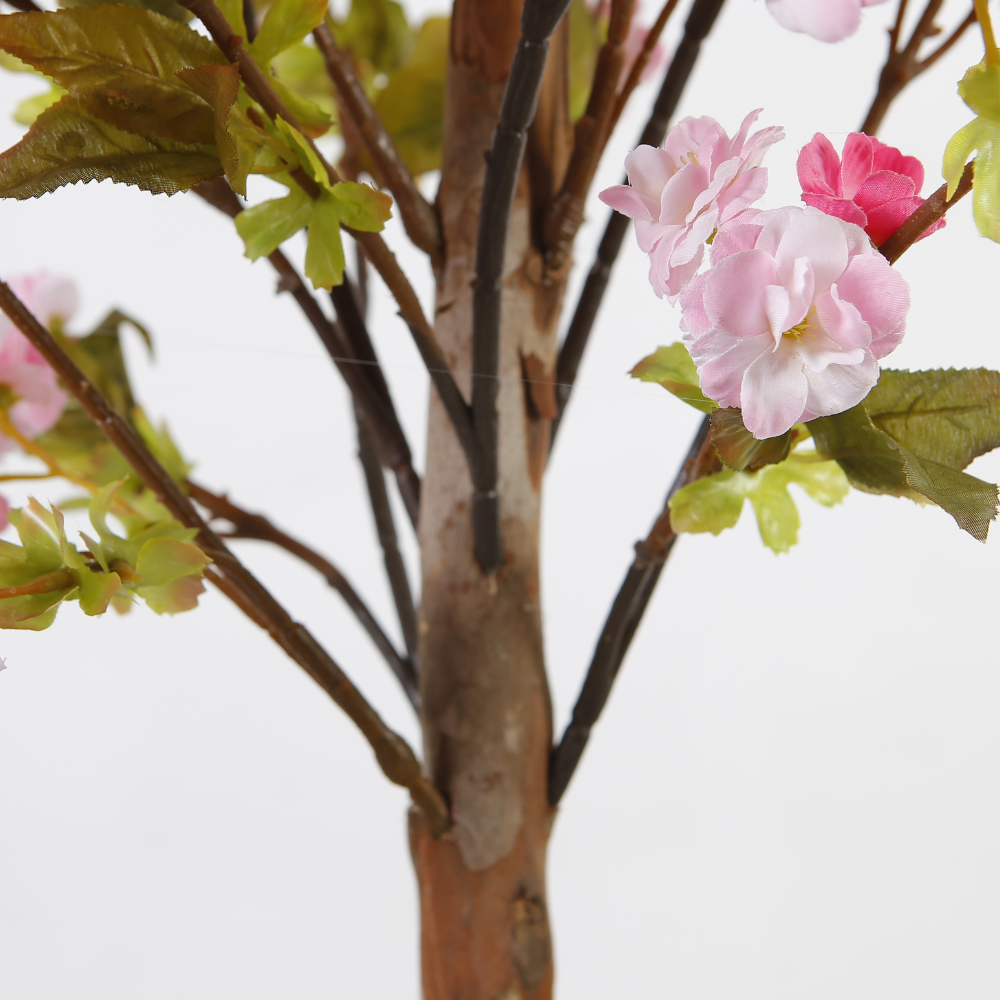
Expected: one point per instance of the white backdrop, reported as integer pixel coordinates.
(793, 791)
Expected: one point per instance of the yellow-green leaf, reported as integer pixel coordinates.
(325, 251)
(66, 145)
(168, 8)
(28, 110)
(266, 226)
(673, 368)
(375, 31)
(120, 64)
(163, 560)
(362, 207)
(285, 23)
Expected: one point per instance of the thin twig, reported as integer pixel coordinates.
(970, 20)
(635, 73)
(702, 16)
(341, 341)
(623, 619)
(538, 20)
(249, 525)
(925, 216)
(258, 87)
(903, 64)
(394, 567)
(395, 757)
(385, 524)
(419, 218)
(566, 210)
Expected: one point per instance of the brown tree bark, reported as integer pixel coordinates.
(486, 709)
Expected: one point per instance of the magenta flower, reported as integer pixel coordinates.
(827, 20)
(680, 194)
(875, 186)
(790, 320)
(22, 369)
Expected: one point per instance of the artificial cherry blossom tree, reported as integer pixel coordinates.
(789, 316)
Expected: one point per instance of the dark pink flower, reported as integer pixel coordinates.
(875, 186)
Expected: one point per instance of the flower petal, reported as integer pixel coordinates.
(856, 163)
(818, 167)
(721, 378)
(734, 292)
(773, 394)
(839, 387)
(628, 201)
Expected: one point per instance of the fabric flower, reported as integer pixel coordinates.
(790, 321)
(827, 20)
(634, 42)
(875, 186)
(680, 194)
(22, 369)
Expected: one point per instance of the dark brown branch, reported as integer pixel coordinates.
(392, 752)
(347, 344)
(566, 210)
(925, 216)
(258, 87)
(386, 528)
(248, 525)
(904, 64)
(700, 20)
(250, 20)
(623, 620)
(25, 5)
(538, 20)
(419, 218)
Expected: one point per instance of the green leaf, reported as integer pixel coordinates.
(120, 64)
(739, 449)
(362, 207)
(162, 445)
(168, 8)
(325, 251)
(313, 119)
(66, 146)
(39, 534)
(673, 368)
(411, 105)
(376, 31)
(715, 502)
(266, 226)
(163, 560)
(173, 598)
(286, 23)
(913, 437)
(34, 612)
(979, 89)
(232, 11)
(219, 87)
(949, 416)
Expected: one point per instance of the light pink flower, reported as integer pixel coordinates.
(875, 187)
(634, 42)
(4, 511)
(680, 194)
(22, 368)
(827, 20)
(790, 321)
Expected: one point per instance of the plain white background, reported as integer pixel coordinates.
(793, 791)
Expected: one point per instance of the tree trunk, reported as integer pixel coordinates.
(486, 709)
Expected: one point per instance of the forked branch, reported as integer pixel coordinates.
(258, 87)
(904, 64)
(249, 525)
(395, 757)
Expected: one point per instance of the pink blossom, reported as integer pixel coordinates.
(875, 186)
(790, 320)
(827, 20)
(4, 511)
(633, 46)
(22, 369)
(680, 194)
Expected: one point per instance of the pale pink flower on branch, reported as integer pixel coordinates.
(633, 46)
(23, 370)
(792, 317)
(680, 194)
(875, 187)
(827, 20)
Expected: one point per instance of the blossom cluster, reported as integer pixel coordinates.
(797, 305)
